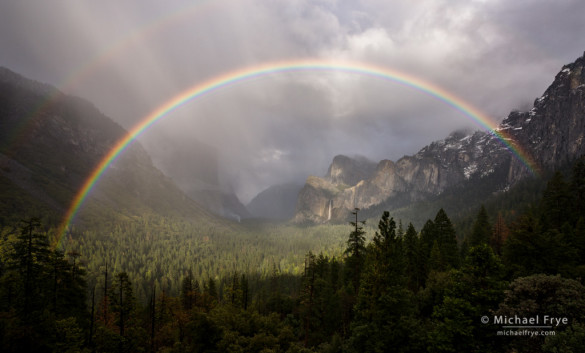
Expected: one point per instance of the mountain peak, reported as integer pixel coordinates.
(551, 133)
(346, 170)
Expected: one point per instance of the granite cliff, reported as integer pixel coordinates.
(551, 134)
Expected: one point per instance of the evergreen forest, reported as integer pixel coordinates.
(165, 285)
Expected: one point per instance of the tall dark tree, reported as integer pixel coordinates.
(123, 306)
(482, 229)
(556, 203)
(245, 291)
(446, 239)
(30, 258)
(188, 293)
(499, 235)
(384, 305)
(413, 258)
(577, 189)
(355, 252)
(308, 296)
(210, 293)
(41, 293)
(233, 290)
(427, 238)
(476, 289)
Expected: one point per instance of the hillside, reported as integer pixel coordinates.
(51, 142)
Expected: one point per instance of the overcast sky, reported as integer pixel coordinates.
(128, 57)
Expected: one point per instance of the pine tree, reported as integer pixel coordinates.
(413, 257)
(187, 291)
(427, 238)
(385, 238)
(436, 260)
(233, 291)
(245, 291)
(40, 292)
(476, 289)
(499, 234)
(123, 306)
(210, 293)
(482, 229)
(355, 251)
(556, 203)
(400, 230)
(577, 187)
(308, 295)
(383, 301)
(30, 258)
(388, 250)
(446, 238)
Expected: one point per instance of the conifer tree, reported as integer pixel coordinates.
(413, 258)
(308, 295)
(383, 301)
(245, 291)
(30, 258)
(446, 239)
(556, 203)
(436, 260)
(427, 238)
(187, 291)
(482, 229)
(123, 301)
(499, 234)
(210, 293)
(476, 289)
(400, 230)
(355, 251)
(233, 291)
(577, 189)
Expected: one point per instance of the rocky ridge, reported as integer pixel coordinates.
(550, 134)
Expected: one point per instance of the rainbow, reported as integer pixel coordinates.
(248, 73)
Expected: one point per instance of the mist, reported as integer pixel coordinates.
(129, 59)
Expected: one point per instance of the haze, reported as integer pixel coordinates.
(130, 57)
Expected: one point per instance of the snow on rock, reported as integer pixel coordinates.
(470, 170)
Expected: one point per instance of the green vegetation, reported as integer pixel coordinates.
(160, 251)
(156, 284)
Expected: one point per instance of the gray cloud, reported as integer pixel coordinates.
(129, 58)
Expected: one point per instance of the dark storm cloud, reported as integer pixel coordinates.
(497, 55)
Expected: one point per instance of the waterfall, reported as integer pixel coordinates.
(330, 204)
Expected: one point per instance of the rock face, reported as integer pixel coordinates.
(550, 134)
(350, 171)
(553, 130)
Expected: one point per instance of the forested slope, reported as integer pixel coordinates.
(405, 289)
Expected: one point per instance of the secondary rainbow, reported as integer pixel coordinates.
(90, 67)
(248, 73)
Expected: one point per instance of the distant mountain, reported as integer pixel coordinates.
(278, 202)
(48, 150)
(552, 132)
(350, 170)
(193, 166)
(220, 202)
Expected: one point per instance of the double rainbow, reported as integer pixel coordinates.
(248, 73)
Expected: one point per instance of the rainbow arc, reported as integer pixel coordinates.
(246, 74)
